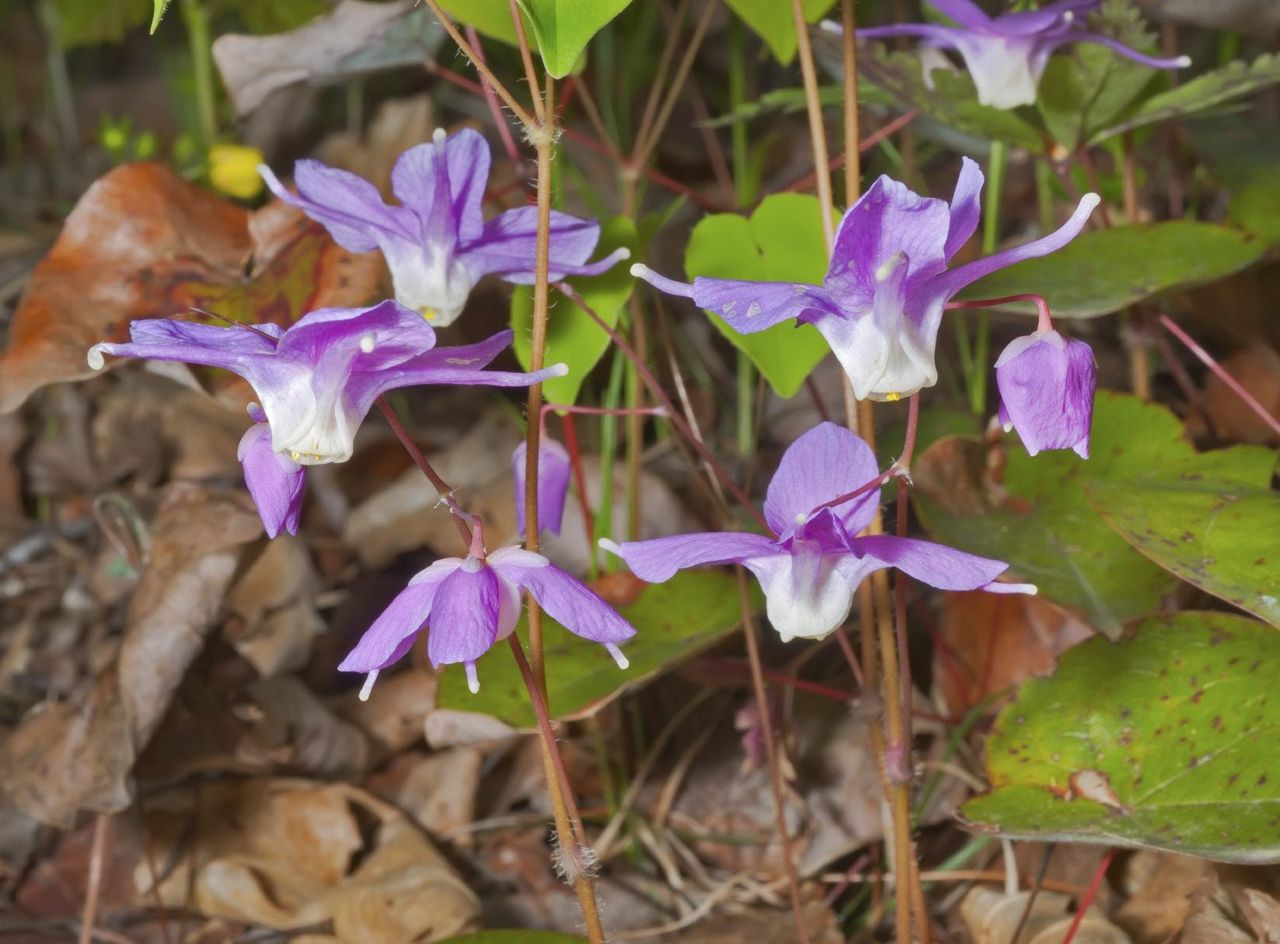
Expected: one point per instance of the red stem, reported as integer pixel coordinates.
(870, 141)
(495, 108)
(1045, 322)
(579, 481)
(1090, 893)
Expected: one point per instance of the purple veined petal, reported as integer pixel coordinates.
(934, 564)
(658, 560)
(348, 206)
(1155, 62)
(887, 222)
(391, 634)
(1047, 19)
(1046, 391)
(824, 463)
(507, 247)
(276, 482)
(465, 616)
(933, 32)
(565, 598)
(554, 468)
(886, 354)
(748, 307)
(379, 337)
(415, 179)
(948, 284)
(806, 596)
(236, 349)
(966, 207)
(964, 12)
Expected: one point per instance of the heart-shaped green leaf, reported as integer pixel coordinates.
(1219, 535)
(773, 21)
(573, 337)
(673, 620)
(1158, 740)
(1105, 270)
(1045, 527)
(781, 241)
(490, 17)
(564, 27)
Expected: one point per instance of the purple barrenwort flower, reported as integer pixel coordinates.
(1006, 55)
(437, 243)
(554, 467)
(810, 569)
(881, 303)
(275, 481)
(466, 604)
(1046, 391)
(318, 379)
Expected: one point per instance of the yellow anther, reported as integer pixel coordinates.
(892, 397)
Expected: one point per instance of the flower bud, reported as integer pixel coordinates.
(553, 484)
(1046, 391)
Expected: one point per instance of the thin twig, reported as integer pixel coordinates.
(460, 518)
(641, 153)
(491, 99)
(478, 63)
(93, 887)
(817, 131)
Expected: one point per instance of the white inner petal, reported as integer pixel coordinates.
(805, 597)
(428, 280)
(1002, 71)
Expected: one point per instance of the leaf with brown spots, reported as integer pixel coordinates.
(144, 243)
(1160, 740)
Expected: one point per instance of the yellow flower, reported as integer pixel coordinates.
(233, 169)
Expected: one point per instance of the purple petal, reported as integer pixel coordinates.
(887, 222)
(508, 247)
(449, 192)
(932, 32)
(1046, 391)
(806, 596)
(378, 337)
(554, 469)
(658, 560)
(953, 281)
(1155, 62)
(276, 482)
(566, 599)
(348, 206)
(164, 339)
(748, 307)
(464, 617)
(966, 207)
(393, 632)
(824, 463)
(935, 564)
(965, 12)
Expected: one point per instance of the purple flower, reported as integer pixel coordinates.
(318, 379)
(276, 482)
(553, 483)
(468, 604)
(1007, 55)
(810, 570)
(1046, 391)
(882, 300)
(437, 243)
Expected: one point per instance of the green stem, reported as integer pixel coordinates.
(196, 19)
(1044, 196)
(990, 237)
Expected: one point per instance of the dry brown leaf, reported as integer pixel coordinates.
(143, 243)
(992, 917)
(1160, 886)
(395, 710)
(70, 756)
(761, 926)
(1257, 369)
(438, 791)
(1211, 918)
(1263, 913)
(274, 620)
(991, 643)
(294, 730)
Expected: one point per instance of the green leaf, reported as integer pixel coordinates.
(1200, 94)
(1049, 533)
(1104, 270)
(572, 336)
(564, 27)
(1085, 90)
(1216, 534)
(157, 13)
(781, 241)
(952, 101)
(87, 22)
(491, 18)
(1242, 157)
(773, 21)
(673, 620)
(1158, 740)
(516, 937)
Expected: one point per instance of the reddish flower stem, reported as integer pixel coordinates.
(870, 141)
(1045, 322)
(1234, 385)
(1089, 895)
(495, 109)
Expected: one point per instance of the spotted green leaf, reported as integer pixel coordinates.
(1219, 535)
(781, 241)
(1159, 740)
(1104, 270)
(673, 620)
(573, 337)
(1046, 529)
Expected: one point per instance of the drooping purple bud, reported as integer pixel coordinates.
(275, 481)
(553, 483)
(1046, 391)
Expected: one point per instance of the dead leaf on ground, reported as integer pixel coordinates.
(273, 618)
(293, 730)
(438, 791)
(393, 714)
(292, 854)
(144, 243)
(71, 756)
(992, 917)
(761, 925)
(990, 643)
(1159, 887)
(1257, 369)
